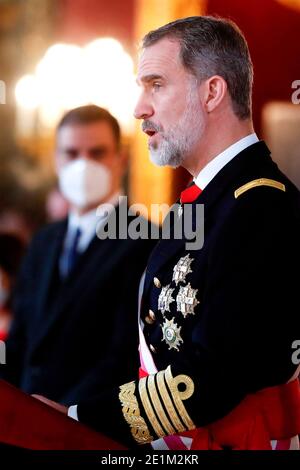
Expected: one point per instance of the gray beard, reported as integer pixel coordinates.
(179, 142)
(167, 153)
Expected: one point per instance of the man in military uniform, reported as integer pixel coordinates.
(218, 322)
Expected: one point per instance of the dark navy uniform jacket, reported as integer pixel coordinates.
(72, 338)
(244, 303)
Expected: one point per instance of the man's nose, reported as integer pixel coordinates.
(143, 109)
(84, 156)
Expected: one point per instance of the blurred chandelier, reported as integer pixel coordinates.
(69, 76)
(291, 3)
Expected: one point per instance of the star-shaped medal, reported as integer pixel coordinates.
(171, 334)
(182, 269)
(165, 298)
(186, 300)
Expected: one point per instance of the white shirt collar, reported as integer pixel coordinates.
(214, 166)
(88, 223)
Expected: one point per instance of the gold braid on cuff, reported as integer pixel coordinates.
(131, 413)
(179, 396)
(162, 400)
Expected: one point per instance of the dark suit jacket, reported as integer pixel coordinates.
(71, 339)
(239, 338)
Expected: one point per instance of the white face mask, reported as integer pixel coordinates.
(84, 182)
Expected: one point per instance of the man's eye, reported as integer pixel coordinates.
(156, 86)
(71, 154)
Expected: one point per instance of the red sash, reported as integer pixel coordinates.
(272, 414)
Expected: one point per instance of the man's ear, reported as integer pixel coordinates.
(214, 89)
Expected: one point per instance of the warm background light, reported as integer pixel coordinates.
(68, 76)
(27, 93)
(291, 3)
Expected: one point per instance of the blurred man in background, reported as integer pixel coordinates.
(75, 328)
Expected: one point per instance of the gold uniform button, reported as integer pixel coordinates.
(157, 282)
(150, 318)
(152, 348)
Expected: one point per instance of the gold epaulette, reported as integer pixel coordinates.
(259, 182)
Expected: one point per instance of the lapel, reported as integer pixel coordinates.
(92, 266)
(237, 170)
(53, 248)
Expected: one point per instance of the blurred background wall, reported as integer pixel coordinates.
(40, 81)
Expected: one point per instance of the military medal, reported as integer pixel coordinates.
(171, 334)
(186, 300)
(182, 269)
(165, 298)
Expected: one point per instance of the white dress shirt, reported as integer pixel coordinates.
(214, 166)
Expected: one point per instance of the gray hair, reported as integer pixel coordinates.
(213, 46)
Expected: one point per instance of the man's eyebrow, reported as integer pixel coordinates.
(98, 148)
(149, 78)
(68, 149)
